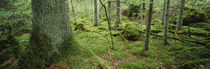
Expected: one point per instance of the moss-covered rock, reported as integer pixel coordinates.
(132, 32)
(132, 11)
(204, 25)
(192, 15)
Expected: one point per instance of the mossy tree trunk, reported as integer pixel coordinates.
(148, 29)
(96, 13)
(180, 18)
(166, 17)
(118, 12)
(51, 34)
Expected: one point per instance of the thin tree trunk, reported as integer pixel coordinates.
(109, 10)
(148, 25)
(109, 23)
(180, 18)
(166, 17)
(118, 12)
(96, 13)
(144, 8)
(72, 8)
(51, 34)
(163, 13)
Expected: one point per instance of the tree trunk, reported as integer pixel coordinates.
(118, 12)
(166, 17)
(148, 25)
(180, 18)
(144, 9)
(96, 13)
(51, 34)
(163, 13)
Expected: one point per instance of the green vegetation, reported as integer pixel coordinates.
(89, 46)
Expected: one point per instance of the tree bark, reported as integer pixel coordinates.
(180, 18)
(148, 31)
(163, 13)
(118, 12)
(144, 9)
(166, 17)
(51, 34)
(96, 13)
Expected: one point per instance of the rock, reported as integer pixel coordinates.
(132, 32)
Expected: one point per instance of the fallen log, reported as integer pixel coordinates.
(196, 42)
(191, 33)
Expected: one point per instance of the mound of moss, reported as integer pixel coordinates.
(204, 25)
(192, 15)
(132, 32)
(132, 11)
(74, 55)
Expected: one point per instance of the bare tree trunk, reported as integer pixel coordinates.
(96, 13)
(118, 12)
(180, 18)
(163, 13)
(144, 8)
(148, 31)
(166, 17)
(109, 10)
(51, 34)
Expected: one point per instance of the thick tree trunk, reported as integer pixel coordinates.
(118, 12)
(51, 33)
(96, 13)
(180, 18)
(148, 31)
(166, 17)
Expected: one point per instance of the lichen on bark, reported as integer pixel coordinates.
(51, 34)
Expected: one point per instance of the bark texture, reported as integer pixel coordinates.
(96, 13)
(148, 29)
(51, 33)
(166, 17)
(118, 12)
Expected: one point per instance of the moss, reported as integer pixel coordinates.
(132, 66)
(132, 32)
(132, 11)
(72, 53)
(120, 55)
(192, 15)
(204, 25)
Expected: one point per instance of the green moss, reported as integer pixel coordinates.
(132, 32)
(120, 55)
(132, 66)
(206, 26)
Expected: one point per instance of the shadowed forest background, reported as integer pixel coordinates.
(104, 34)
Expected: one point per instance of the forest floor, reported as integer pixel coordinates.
(130, 54)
